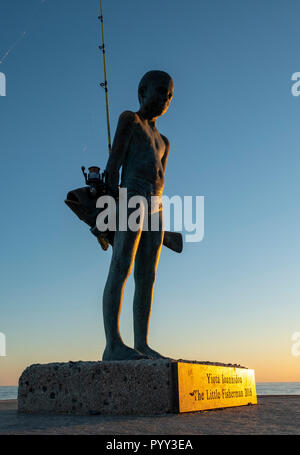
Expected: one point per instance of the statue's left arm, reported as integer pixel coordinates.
(166, 154)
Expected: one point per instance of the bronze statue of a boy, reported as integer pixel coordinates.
(143, 153)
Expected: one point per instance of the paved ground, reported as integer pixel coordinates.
(273, 415)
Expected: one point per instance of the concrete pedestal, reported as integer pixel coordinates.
(144, 387)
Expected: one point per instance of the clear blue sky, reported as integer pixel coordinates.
(234, 131)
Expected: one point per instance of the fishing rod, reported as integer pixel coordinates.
(104, 84)
(94, 178)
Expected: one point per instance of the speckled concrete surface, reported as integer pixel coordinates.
(273, 415)
(85, 388)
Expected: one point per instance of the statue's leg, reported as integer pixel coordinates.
(124, 251)
(146, 262)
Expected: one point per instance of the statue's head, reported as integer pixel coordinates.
(155, 93)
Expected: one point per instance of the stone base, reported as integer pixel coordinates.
(144, 387)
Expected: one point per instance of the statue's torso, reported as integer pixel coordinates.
(142, 167)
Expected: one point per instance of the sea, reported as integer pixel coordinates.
(262, 388)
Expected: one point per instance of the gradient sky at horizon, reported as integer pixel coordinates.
(234, 131)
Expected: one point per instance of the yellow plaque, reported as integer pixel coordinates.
(203, 387)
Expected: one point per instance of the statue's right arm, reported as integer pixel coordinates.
(119, 147)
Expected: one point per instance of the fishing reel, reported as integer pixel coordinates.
(94, 180)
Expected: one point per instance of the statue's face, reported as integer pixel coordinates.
(156, 96)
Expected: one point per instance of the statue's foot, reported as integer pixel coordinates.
(151, 353)
(122, 352)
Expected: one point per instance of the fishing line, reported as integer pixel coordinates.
(24, 34)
